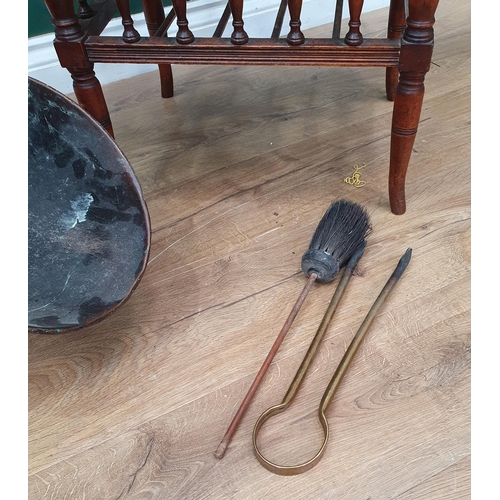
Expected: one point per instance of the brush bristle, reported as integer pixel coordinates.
(341, 230)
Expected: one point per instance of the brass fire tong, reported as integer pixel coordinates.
(289, 470)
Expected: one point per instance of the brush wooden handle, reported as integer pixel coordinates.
(221, 449)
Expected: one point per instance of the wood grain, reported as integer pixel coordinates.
(237, 170)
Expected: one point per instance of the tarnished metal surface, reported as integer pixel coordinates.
(88, 224)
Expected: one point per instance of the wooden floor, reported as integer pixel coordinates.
(237, 170)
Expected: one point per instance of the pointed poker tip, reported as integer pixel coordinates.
(402, 264)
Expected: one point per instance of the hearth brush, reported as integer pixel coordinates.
(341, 231)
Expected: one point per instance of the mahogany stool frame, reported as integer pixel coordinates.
(405, 52)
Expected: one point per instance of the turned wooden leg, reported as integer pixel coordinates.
(90, 97)
(155, 15)
(70, 51)
(166, 80)
(396, 26)
(407, 106)
(414, 63)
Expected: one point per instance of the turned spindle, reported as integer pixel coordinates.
(130, 34)
(184, 35)
(295, 36)
(239, 36)
(84, 10)
(354, 36)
